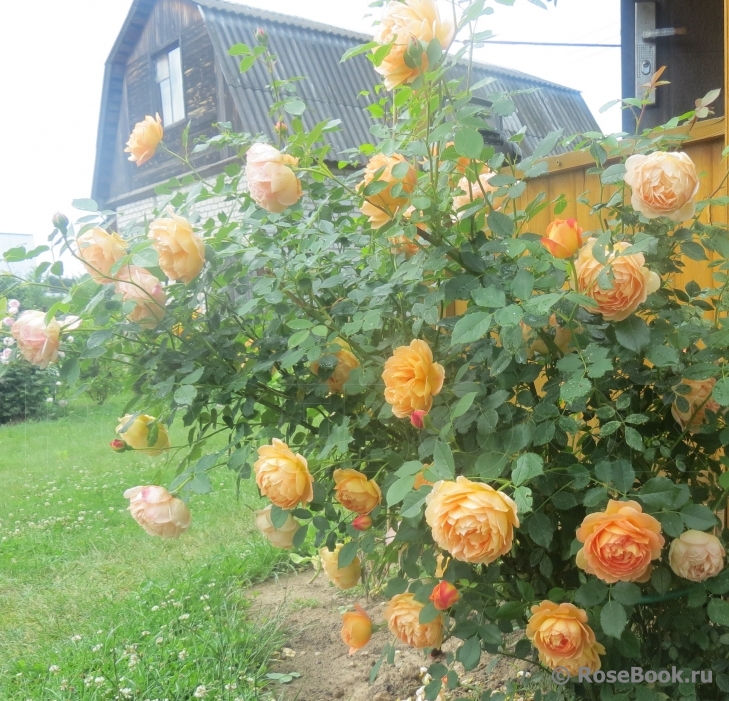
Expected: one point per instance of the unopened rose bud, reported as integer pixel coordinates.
(362, 523)
(60, 221)
(417, 418)
(261, 36)
(13, 303)
(118, 445)
(444, 595)
(563, 238)
(280, 127)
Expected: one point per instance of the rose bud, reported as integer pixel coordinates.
(60, 221)
(8, 321)
(13, 303)
(280, 127)
(261, 36)
(444, 595)
(362, 523)
(417, 418)
(118, 445)
(563, 239)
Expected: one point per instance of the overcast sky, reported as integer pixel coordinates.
(52, 55)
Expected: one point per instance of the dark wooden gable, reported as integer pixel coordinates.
(171, 22)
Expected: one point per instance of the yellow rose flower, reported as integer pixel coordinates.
(138, 285)
(271, 181)
(696, 556)
(562, 637)
(181, 251)
(699, 400)
(412, 379)
(663, 185)
(355, 492)
(402, 614)
(563, 239)
(473, 191)
(619, 543)
(346, 362)
(278, 537)
(283, 476)
(341, 577)
(402, 23)
(136, 434)
(158, 512)
(632, 281)
(356, 629)
(384, 206)
(472, 521)
(100, 251)
(144, 139)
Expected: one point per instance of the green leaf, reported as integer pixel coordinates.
(661, 580)
(359, 49)
(547, 145)
(469, 654)
(575, 388)
(193, 377)
(500, 224)
(626, 593)
(613, 619)
(348, 553)
(523, 285)
(698, 517)
(300, 535)
(413, 502)
(523, 498)
(471, 327)
(85, 204)
(591, 593)
(398, 489)
(671, 523)
(468, 143)
(279, 516)
(185, 395)
(541, 529)
(490, 297)
(460, 287)
(528, 466)
(463, 405)
(634, 439)
(295, 107)
(70, 371)
(718, 611)
(662, 356)
(658, 492)
(443, 464)
(693, 250)
(721, 391)
(633, 333)
(428, 614)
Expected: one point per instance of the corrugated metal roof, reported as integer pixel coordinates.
(332, 89)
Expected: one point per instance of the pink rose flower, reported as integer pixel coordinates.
(39, 342)
(138, 285)
(157, 511)
(271, 182)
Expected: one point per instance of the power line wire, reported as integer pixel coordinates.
(548, 43)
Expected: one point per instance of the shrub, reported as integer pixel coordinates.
(24, 390)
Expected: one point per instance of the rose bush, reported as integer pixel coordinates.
(525, 471)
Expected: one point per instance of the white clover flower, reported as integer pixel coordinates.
(75, 638)
(54, 669)
(201, 692)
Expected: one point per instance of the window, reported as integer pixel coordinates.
(171, 89)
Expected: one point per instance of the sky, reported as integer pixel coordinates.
(52, 55)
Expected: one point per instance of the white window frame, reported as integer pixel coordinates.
(171, 85)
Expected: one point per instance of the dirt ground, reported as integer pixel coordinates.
(310, 609)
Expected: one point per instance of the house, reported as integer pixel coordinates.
(686, 37)
(171, 57)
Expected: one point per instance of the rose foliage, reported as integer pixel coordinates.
(548, 461)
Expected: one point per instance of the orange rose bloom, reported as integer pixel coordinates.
(400, 24)
(100, 251)
(562, 637)
(356, 628)
(699, 400)
(696, 556)
(346, 362)
(403, 619)
(619, 543)
(181, 251)
(472, 521)
(412, 379)
(341, 577)
(473, 191)
(384, 206)
(138, 285)
(563, 239)
(444, 595)
(402, 244)
(355, 492)
(420, 480)
(144, 139)
(271, 181)
(283, 476)
(632, 282)
(663, 185)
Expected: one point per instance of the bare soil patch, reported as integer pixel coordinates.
(310, 609)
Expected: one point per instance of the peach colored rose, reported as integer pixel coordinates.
(37, 341)
(444, 595)
(412, 379)
(562, 637)
(402, 244)
(356, 629)
(144, 139)
(346, 362)
(561, 335)
(281, 537)
(181, 251)
(138, 285)
(403, 619)
(403, 23)
(632, 282)
(100, 251)
(355, 492)
(158, 512)
(699, 400)
(283, 476)
(420, 480)
(473, 191)
(271, 181)
(663, 184)
(136, 434)
(471, 520)
(619, 543)
(384, 206)
(563, 239)
(341, 577)
(696, 556)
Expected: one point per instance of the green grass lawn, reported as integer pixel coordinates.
(91, 607)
